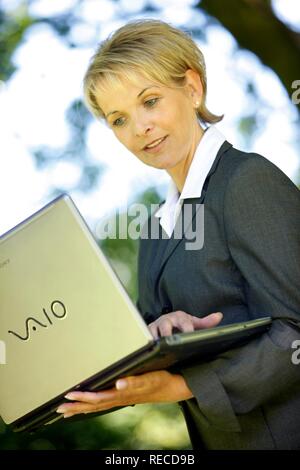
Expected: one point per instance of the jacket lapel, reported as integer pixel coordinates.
(183, 225)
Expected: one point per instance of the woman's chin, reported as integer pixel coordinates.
(160, 163)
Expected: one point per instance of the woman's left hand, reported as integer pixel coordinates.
(152, 387)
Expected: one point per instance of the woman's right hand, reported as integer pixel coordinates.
(183, 321)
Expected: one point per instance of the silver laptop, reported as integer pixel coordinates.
(67, 323)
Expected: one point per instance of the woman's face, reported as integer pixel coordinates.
(142, 112)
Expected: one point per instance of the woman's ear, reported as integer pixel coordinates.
(193, 85)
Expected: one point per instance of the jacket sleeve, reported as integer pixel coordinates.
(262, 224)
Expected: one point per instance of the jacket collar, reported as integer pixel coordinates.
(201, 164)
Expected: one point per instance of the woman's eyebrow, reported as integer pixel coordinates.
(138, 96)
(145, 89)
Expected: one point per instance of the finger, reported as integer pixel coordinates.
(153, 330)
(185, 325)
(209, 321)
(135, 388)
(133, 382)
(68, 415)
(76, 408)
(85, 410)
(179, 319)
(81, 407)
(91, 397)
(165, 326)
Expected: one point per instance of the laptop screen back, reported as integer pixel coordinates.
(63, 314)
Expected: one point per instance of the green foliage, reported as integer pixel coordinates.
(12, 29)
(122, 252)
(139, 427)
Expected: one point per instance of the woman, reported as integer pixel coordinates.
(148, 82)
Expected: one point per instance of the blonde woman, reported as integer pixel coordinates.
(148, 83)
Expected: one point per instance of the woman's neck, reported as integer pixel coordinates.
(180, 172)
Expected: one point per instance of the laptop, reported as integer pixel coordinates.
(67, 322)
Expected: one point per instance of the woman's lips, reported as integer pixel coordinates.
(157, 147)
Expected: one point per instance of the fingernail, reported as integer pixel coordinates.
(121, 384)
(220, 314)
(70, 396)
(61, 409)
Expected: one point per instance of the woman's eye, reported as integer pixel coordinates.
(151, 102)
(118, 122)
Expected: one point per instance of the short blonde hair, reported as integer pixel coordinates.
(153, 48)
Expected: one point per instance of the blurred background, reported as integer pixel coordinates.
(49, 143)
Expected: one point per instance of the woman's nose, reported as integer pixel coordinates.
(141, 131)
(142, 126)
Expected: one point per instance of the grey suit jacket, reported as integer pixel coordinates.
(249, 266)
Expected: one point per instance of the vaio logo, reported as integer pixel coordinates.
(58, 310)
